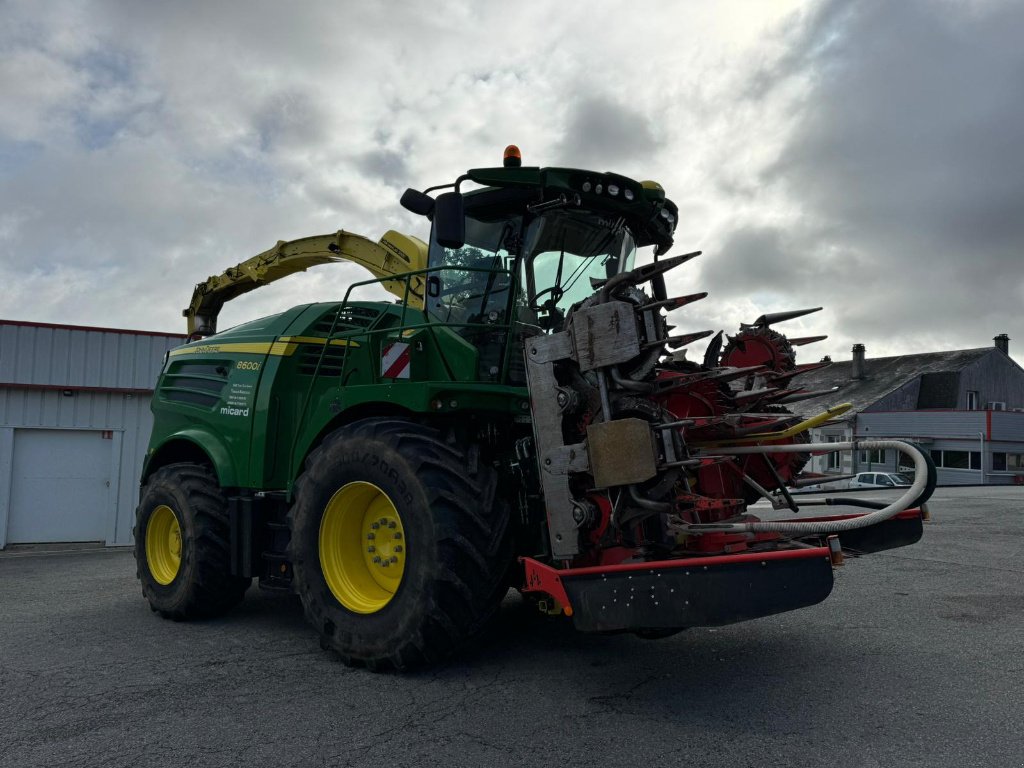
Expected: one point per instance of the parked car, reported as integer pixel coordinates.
(881, 480)
(826, 485)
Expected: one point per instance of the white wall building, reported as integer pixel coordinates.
(966, 407)
(74, 426)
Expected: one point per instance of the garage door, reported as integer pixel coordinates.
(60, 486)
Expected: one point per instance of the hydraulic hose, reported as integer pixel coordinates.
(917, 492)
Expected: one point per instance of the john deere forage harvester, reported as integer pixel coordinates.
(521, 416)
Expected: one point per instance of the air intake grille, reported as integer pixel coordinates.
(331, 365)
(351, 318)
(357, 317)
(199, 383)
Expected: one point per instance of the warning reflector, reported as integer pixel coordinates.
(395, 361)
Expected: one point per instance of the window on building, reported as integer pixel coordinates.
(1002, 462)
(903, 461)
(957, 459)
(834, 460)
(872, 457)
(972, 399)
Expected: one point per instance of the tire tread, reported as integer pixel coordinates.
(475, 547)
(213, 590)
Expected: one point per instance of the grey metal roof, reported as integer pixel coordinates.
(883, 375)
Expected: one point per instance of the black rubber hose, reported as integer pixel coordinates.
(834, 501)
(933, 478)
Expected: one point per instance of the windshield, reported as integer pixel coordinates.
(564, 250)
(903, 477)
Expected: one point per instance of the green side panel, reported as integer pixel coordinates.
(207, 394)
(307, 368)
(437, 354)
(460, 356)
(271, 428)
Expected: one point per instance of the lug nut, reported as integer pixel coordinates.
(383, 520)
(386, 563)
(394, 559)
(398, 548)
(375, 526)
(392, 524)
(398, 535)
(376, 559)
(370, 536)
(371, 548)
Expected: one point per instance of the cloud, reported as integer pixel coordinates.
(387, 165)
(856, 155)
(36, 88)
(602, 133)
(896, 198)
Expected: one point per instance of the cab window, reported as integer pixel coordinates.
(474, 286)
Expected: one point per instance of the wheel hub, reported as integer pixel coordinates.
(362, 547)
(163, 545)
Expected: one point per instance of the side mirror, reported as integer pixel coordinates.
(417, 202)
(449, 220)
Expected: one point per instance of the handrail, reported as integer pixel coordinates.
(426, 323)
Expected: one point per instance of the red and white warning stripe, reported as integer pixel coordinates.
(394, 361)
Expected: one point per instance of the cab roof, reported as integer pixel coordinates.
(651, 216)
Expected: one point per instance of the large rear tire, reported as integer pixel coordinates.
(182, 545)
(400, 545)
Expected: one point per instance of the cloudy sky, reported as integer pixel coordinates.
(863, 156)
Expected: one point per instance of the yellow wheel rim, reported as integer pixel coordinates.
(362, 547)
(163, 544)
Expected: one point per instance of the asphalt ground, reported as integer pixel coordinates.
(915, 660)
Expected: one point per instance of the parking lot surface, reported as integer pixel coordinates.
(915, 660)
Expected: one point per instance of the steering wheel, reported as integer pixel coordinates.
(556, 295)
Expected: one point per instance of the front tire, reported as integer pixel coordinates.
(182, 545)
(400, 546)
